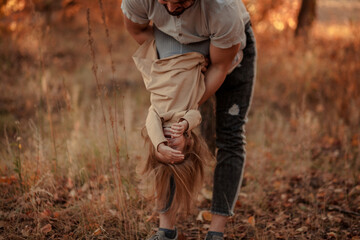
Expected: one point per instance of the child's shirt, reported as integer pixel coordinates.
(176, 85)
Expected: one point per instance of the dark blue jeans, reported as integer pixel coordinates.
(232, 105)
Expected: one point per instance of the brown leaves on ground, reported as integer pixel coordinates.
(315, 206)
(281, 204)
(50, 211)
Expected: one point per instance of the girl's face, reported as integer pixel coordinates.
(178, 143)
(175, 143)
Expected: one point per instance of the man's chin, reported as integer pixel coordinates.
(177, 13)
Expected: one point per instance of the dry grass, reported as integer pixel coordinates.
(302, 175)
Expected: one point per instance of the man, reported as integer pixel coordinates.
(221, 30)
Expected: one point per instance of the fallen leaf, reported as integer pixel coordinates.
(303, 207)
(45, 214)
(85, 187)
(302, 229)
(277, 184)
(103, 198)
(320, 195)
(337, 218)
(206, 226)
(200, 217)
(204, 216)
(97, 232)
(331, 234)
(8, 180)
(281, 218)
(206, 193)
(56, 214)
(26, 231)
(69, 183)
(355, 140)
(296, 220)
(72, 193)
(251, 220)
(355, 191)
(150, 218)
(113, 212)
(279, 236)
(243, 195)
(46, 229)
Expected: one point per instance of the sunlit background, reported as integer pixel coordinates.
(72, 106)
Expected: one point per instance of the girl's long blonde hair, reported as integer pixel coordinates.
(187, 175)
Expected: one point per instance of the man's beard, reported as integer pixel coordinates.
(178, 13)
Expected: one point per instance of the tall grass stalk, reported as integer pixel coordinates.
(124, 128)
(113, 118)
(114, 121)
(16, 157)
(38, 139)
(113, 69)
(116, 170)
(39, 35)
(94, 71)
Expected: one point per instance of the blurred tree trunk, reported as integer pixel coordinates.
(306, 17)
(207, 126)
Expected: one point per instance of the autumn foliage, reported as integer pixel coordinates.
(72, 106)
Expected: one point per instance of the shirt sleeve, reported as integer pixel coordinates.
(135, 10)
(154, 128)
(226, 26)
(193, 117)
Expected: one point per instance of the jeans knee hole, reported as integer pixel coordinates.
(234, 110)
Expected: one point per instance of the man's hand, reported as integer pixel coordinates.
(206, 65)
(169, 155)
(179, 128)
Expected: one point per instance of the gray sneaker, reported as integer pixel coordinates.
(160, 235)
(213, 237)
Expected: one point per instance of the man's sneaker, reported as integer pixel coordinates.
(213, 237)
(160, 235)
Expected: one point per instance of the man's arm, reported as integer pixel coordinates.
(140, 32)
(221, 60)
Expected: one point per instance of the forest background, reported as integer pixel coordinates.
(72, 106)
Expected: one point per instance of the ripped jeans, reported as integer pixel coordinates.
(233, 100)
(232, 104)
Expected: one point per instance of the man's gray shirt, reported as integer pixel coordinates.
(221, 21)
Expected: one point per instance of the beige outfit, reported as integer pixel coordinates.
(176, 85)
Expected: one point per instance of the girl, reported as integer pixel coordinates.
(176, 154)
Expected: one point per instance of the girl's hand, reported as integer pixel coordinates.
(169, 155)
(167, 132)
(179, 128)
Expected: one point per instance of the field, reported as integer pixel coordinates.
(72, 106)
